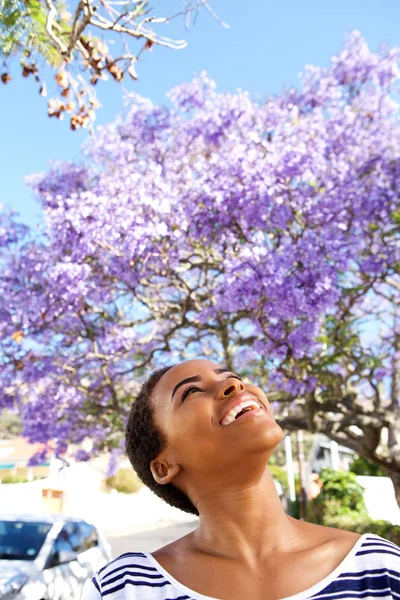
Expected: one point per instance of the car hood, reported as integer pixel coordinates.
(10, 568)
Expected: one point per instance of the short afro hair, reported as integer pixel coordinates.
(144, 441)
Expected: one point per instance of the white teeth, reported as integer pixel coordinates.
(230, 417)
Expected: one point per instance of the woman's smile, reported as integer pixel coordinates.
(252, 413)
(241, 404)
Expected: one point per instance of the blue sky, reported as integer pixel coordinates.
(268, 43)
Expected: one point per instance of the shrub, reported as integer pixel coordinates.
(279, 474)
(341, 504)
(14, 479)
(341, 496)
(363, 466)
(125, 481)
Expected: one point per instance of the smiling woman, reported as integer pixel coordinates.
(201, 439)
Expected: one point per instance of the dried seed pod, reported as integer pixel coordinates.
(62, 78)
(76, 121)
(148, 45)
(94, 103)
(116, 72)
(29, 69)
(85, 121)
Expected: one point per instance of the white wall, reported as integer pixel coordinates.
(380, 498)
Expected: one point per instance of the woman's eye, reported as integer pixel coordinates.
(236, 377)
(194, 388)
(188, 391)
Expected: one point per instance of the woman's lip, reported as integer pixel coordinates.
(250, 413)
(237, 399)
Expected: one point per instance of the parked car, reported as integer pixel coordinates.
(48, 557)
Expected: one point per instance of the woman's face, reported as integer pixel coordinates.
(214, 423)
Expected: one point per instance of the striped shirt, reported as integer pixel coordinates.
(370, 570)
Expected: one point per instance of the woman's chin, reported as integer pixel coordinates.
(262, 439)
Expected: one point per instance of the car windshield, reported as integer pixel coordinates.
(22, 540)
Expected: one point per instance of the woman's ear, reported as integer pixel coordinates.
(162, 471)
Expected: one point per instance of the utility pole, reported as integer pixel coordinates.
(289, 468)
(300, 457)
(335, 458)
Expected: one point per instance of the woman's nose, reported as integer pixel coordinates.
(231, 386)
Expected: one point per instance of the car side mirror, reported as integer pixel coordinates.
(60, 557)
(66, 556)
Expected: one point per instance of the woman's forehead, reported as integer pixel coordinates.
(189, 368)
(182, 371)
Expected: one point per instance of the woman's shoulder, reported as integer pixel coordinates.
(318, 536)
(363, 550)
(357, 563)
(367, 550)
(321, 533)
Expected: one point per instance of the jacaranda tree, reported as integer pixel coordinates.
(263, 236)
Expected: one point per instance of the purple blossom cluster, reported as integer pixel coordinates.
(217, 218)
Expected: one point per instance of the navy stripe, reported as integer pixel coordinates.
(96, 585)
(132, 574)
(378, 539)
(135, 583)
(380, 551)
(130, 566)
(370, 572)
(366, 594)
(381, 543)
(179, 598)
(374, 585)
(136, 554)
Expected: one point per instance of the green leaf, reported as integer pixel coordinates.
(396, 216)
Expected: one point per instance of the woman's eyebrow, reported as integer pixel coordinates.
(195, 378)
(187, 380)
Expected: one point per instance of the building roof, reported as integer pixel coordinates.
(17, 450)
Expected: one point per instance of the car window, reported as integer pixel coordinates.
(77, 536)
(89, 536)
(22, 540)
(68, 538)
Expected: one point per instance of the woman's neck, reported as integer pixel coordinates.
(246, 521)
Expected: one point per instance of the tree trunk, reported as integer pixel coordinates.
(224, 337)
(395, 477)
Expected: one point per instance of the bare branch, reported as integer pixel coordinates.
(208, 7)
(80, 44)
(49, 27)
